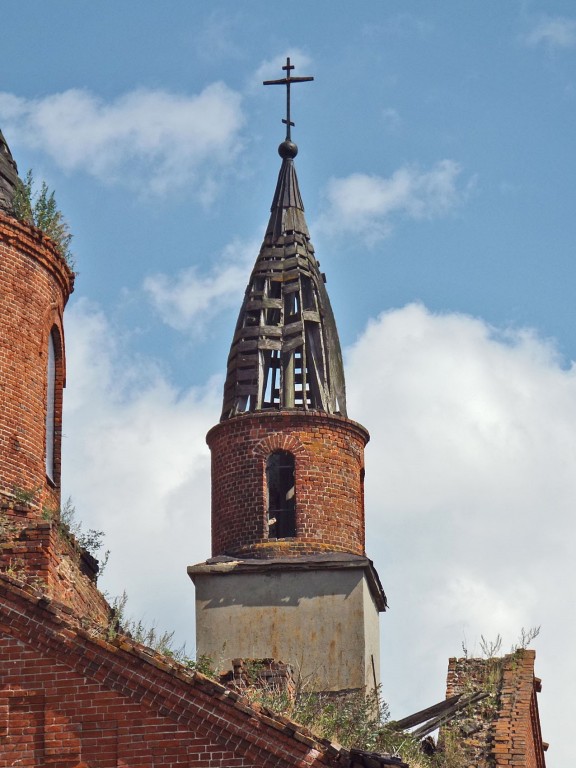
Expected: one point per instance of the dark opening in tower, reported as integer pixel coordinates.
(281, 495)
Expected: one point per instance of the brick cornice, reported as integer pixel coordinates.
(38, 246)
(277, 420)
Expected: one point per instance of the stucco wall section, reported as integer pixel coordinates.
(322, 622)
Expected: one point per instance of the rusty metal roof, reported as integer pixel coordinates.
(285, 352)
(8, 176)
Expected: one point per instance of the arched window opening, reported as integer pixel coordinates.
(51, 406)
(281, 495)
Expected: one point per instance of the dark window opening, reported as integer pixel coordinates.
(53, 350)
(281, 495)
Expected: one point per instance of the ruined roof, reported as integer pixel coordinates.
(8, 176)
(119, 664)
(223, 564)
(503, 728)
(285, 352)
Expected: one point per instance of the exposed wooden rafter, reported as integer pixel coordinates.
(285, 352)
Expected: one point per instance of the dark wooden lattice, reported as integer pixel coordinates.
(285, 352)
(8, 176)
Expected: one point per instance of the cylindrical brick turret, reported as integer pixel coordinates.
(35, 283)
(327, 492)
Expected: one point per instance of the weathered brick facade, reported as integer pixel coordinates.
(73, 697)
(329, 471)
(36, 549)
(502, 730)
(35, 284)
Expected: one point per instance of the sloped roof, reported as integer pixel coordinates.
(122, 665)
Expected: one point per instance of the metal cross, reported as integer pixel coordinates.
(287, 81)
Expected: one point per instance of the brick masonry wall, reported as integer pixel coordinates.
(69, 699)
(329, 470)
(517, 737)
(35, 284)
(503, 730)
(38, 553)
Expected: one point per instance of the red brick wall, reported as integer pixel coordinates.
(38, 553)
(35, 284)
(69, 699)
(505, 727)
(329, 459)
(517, 735)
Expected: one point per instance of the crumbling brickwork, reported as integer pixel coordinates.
(35, 284)
(70, 697)
(517, 735)
(329, 472)
(264, 674)
(502, 730)
(39, 552)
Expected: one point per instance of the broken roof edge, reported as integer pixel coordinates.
(225, 565)
(62, 626)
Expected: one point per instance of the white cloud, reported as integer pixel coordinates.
(391, 119)
(470, 487)
(470, 493)
(368, 204)
(137, 466)
(219, 36)
(190, 300)
(553, 31)
(144, 138)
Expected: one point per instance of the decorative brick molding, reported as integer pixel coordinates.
(278, 442)
(329, 452)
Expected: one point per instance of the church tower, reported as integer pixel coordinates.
(289, 578)
(35, 283)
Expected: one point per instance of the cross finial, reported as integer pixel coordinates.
(287, 81)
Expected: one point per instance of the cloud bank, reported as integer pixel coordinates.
(470, 487)
(470, 493)
(137, 467)
(144, 138)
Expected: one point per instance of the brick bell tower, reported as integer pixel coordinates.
(35, 284)
(289, 578)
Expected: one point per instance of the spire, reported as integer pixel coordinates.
(285, 352)
(8, 176)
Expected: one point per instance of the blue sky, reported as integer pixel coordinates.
(437, 167)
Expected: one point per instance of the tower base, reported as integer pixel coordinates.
(318, 613)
